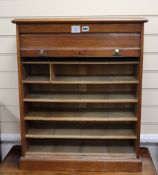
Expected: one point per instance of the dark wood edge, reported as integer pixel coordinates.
(83, 20)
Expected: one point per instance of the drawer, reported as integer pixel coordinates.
(98, 44)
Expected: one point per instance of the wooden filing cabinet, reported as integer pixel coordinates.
(80, 84)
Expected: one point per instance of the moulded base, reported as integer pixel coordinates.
(80, 163)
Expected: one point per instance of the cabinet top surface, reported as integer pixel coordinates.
(86, 20)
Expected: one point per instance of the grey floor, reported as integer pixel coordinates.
(153, 148)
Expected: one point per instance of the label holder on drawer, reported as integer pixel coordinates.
(75, 29)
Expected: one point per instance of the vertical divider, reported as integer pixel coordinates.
(24, 72)
(52, 72)
(50, 68)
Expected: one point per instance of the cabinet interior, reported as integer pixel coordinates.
(80, 106)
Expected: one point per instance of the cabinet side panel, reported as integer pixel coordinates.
(140, 71)
(22, 107)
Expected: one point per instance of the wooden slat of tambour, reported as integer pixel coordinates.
(62, 133)
(80, 41)
(80, 52)
(106, 150)
(82, 98)
(80, 62)
(81, 116)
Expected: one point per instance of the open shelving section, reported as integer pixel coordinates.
(80, 130)
(79, 72)
(89, 103)
(68, 147)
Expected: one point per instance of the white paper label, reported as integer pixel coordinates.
(85, 28)
(75, 29)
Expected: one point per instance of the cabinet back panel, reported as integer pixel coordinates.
(79, 107)
(94, 70)
(54, 88)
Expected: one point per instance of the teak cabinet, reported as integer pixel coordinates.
(80, 84)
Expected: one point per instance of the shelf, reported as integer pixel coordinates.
(95, 80)
(80, 62)
(37, 79)
(83, 80)
(93, 150)
(82, 98)
(80, 133)
(81, 116)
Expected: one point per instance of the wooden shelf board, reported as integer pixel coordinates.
(71, 133)
(80, 62)
(82, 98)
(81, 116)
(37, 79)
(82, 80)
(95, 80)
(82, 150)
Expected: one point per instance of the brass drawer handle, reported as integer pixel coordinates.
(116, 52)
(42, 53)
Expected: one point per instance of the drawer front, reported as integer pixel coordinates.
(98, 44)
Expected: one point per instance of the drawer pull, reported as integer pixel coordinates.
(42, 53)
(116, 52)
